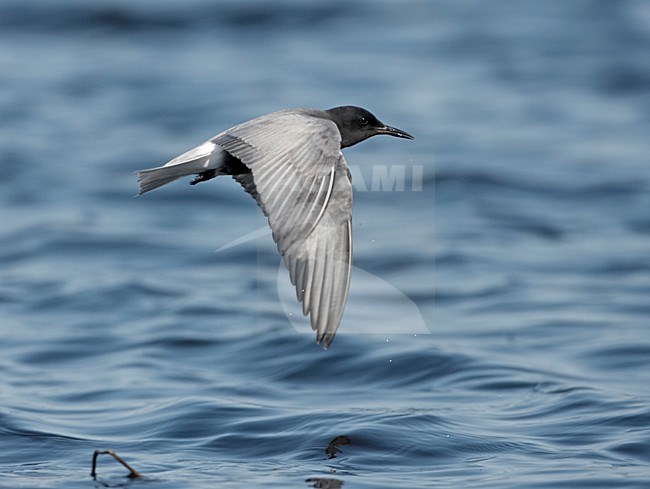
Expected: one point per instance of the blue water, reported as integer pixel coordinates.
(498, 331)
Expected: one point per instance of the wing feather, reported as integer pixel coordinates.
(302, 184)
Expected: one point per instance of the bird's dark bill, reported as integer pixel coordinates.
(393, 131)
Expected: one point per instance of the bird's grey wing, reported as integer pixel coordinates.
(320, 265)
(293, 158)
(248, 184)
(302, 185)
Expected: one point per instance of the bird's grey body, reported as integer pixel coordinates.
(291, 163)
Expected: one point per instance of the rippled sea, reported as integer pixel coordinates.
(498, 330)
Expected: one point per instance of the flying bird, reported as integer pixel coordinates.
(291, 163)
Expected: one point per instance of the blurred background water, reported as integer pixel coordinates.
(522, 366)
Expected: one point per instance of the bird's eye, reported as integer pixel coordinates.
(364, 121)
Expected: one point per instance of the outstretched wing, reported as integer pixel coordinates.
(303, 187)
(320, 265)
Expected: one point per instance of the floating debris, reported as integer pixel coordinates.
(133, 474)
(333, 447)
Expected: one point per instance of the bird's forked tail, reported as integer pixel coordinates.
(198, 160)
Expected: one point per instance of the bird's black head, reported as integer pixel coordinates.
(356, 124)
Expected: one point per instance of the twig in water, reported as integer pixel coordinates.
(133, 474)
(333, 447)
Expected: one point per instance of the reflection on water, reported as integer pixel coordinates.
(324, 483)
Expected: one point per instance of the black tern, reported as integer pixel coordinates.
(291, 163)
